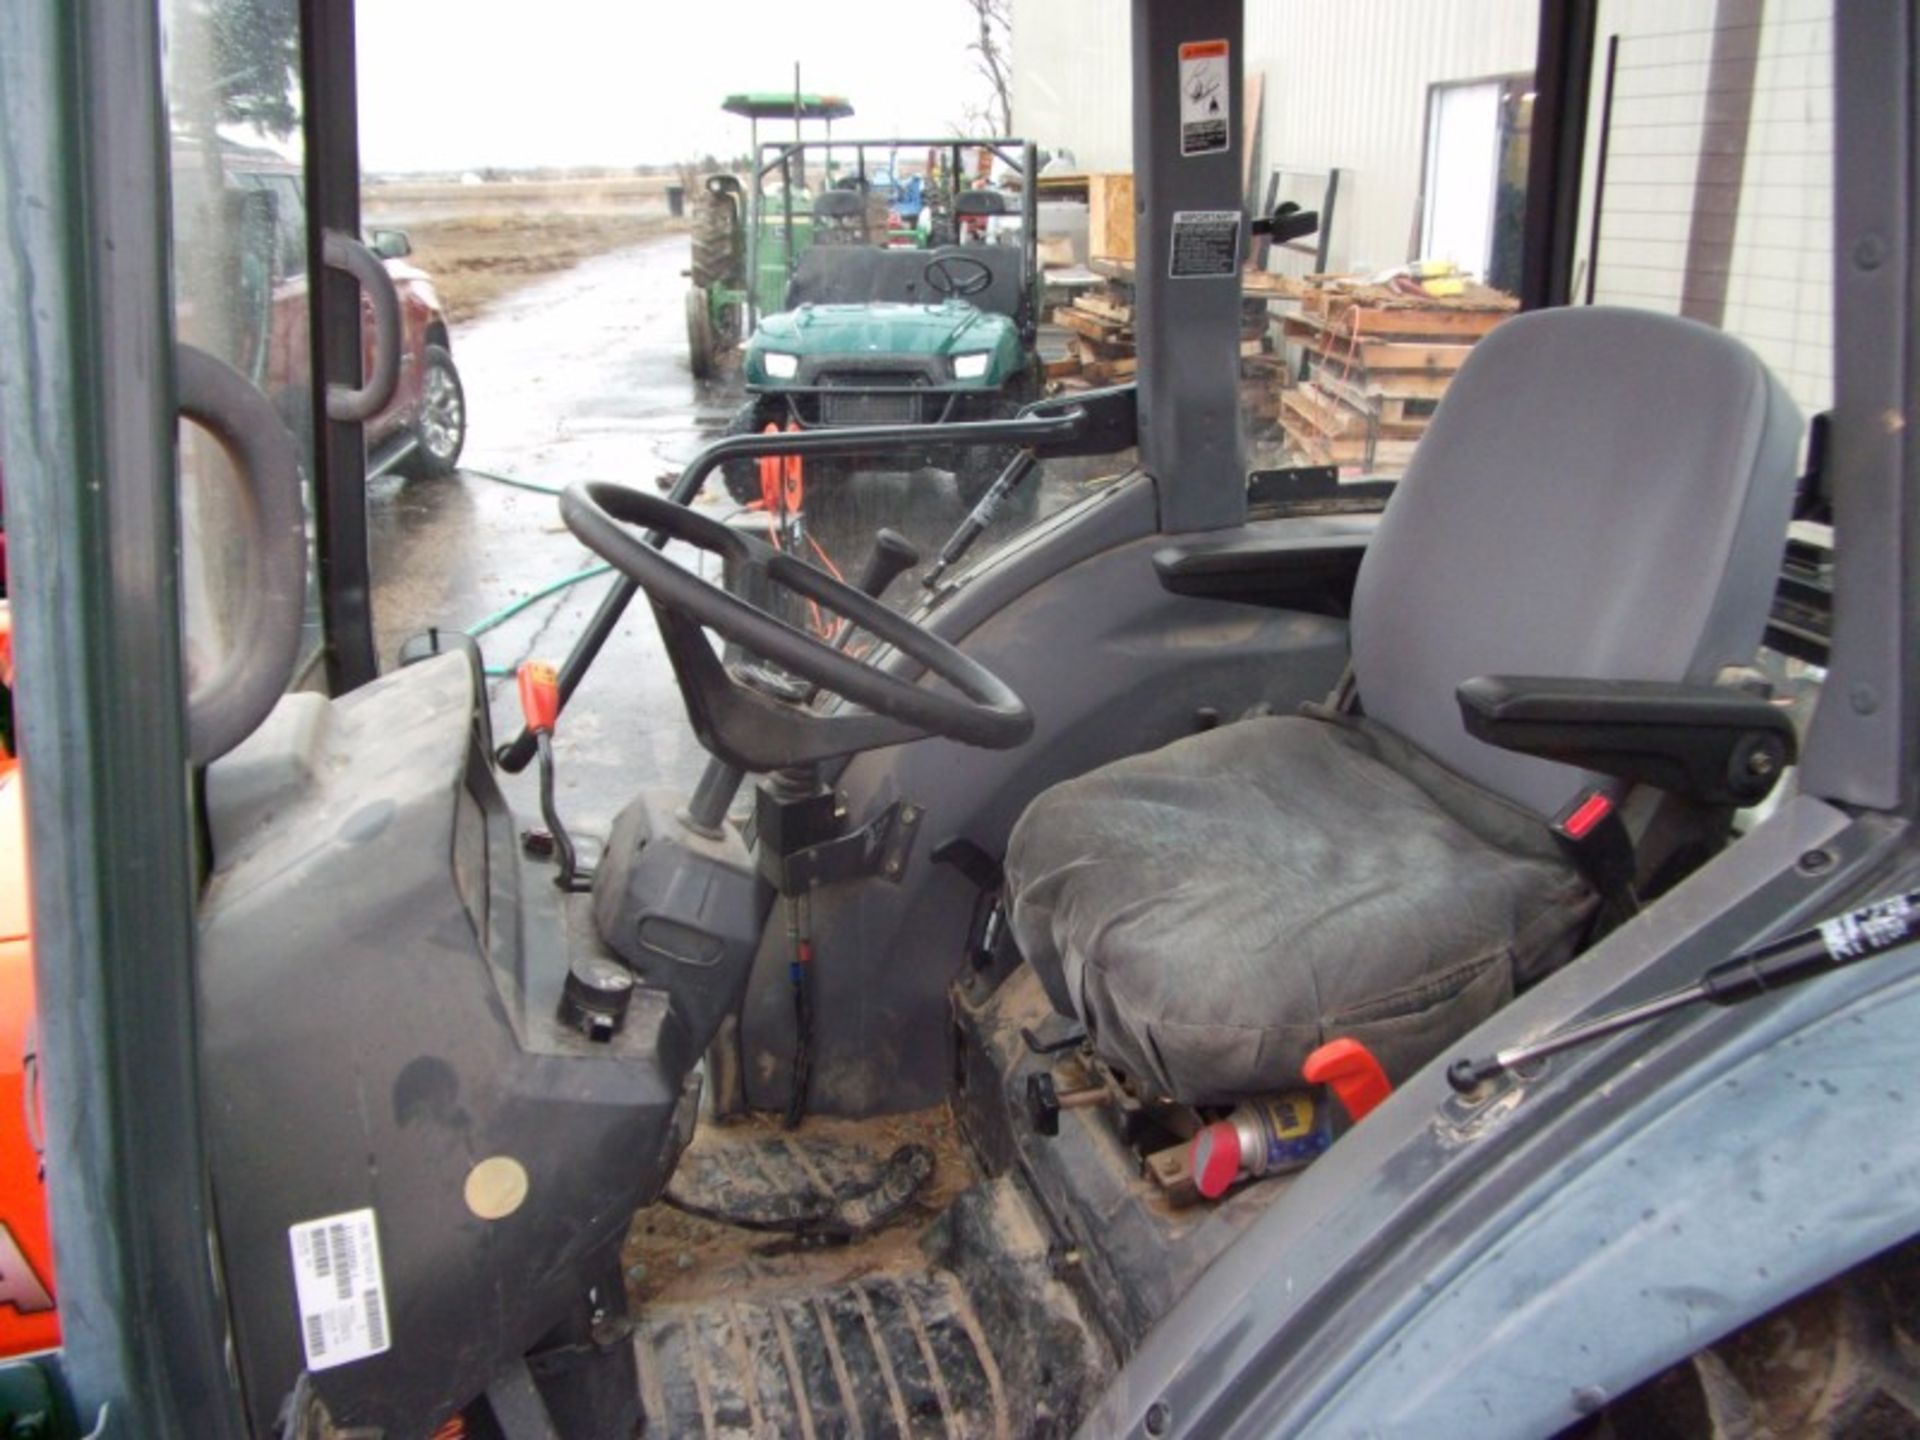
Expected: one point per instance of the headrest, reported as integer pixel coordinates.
(839, 205)
(981, 202)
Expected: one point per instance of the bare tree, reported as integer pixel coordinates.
(993, 57)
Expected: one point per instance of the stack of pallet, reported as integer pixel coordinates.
(1100, 349)
(1378, 358)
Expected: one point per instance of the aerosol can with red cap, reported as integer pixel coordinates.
(1291, 1130)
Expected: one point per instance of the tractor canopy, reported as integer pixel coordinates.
(772, 105)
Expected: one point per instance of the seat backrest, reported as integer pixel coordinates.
(858, 275)
(981, 202)
(839, 205)
(1603, 494)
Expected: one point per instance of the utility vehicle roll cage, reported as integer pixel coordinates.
(781, 156)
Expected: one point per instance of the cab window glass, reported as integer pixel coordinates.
(239, 266)
(1405, 132)
(1709, 194)
(612, 306)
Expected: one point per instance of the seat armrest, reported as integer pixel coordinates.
(1312, 572)
(1702, 742)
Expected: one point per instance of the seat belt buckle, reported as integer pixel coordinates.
(1596, 839)
(1587, 812)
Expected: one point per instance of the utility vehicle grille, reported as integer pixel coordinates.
(867, 399)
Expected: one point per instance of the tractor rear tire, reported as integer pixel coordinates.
(701, 343)
(1838, 1363)
(716, 240)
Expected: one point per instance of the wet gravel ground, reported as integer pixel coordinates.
(585, 376)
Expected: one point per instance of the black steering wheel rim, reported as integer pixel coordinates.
(955, 289)
(983, 710)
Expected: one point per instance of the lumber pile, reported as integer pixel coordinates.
(1376, 361)
(1101, 347)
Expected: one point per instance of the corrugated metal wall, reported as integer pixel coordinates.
(1346, 85)
(1072, 79)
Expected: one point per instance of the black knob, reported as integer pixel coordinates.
(594, 1000)
(892, 554)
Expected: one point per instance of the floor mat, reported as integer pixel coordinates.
(933, 1316)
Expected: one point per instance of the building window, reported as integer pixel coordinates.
(1474, 184)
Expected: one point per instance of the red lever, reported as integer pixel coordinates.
(539, 695)
(1354, 1075)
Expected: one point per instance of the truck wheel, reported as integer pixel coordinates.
(700, 341)
(440, 428)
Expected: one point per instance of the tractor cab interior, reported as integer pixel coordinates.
(1021, 951)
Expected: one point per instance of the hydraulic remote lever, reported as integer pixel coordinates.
(1857, 935)
(540, 704)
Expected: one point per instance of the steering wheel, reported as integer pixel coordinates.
(942, 281)
(757, 721)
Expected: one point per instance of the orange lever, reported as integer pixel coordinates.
(1349, 1068)
(539, 695)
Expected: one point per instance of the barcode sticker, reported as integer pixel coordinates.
(340, 1289)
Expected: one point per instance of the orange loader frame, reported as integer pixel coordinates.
(29, 1319)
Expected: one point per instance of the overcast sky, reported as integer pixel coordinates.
(458, 84)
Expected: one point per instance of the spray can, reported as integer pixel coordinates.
(1263, 1137)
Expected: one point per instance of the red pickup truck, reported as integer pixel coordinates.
(260, 202)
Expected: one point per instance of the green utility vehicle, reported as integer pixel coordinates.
(856, 317)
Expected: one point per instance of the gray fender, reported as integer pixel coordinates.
(1504, 1269)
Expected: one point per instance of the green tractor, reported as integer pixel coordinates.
(719, 294)
(879, 299)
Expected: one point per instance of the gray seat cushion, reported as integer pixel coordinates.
(1216, 909)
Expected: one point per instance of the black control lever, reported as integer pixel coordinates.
(892, 555)
(1288, 222)
(1857, 935)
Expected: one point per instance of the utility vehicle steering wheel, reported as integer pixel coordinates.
(755, 719)
(942, 281)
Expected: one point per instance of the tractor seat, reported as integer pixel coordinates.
(839, 205)
(840, 218)
(981, 202)
(1603, 495)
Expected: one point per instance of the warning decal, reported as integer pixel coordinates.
(1206, 244)
(341, 1293)
(1204, 97)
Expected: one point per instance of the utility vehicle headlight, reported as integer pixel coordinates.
(971, 366)
(781, 366)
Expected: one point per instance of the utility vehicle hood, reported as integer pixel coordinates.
(946, 329)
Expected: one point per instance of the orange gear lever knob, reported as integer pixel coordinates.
(1348, 1068)
(539, 695)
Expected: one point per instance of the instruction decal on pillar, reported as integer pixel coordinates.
(339, 1287)
(1205, 245)
(1204, 98)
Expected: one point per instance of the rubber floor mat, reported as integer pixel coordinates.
(887, 1356)
(926, 1306)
